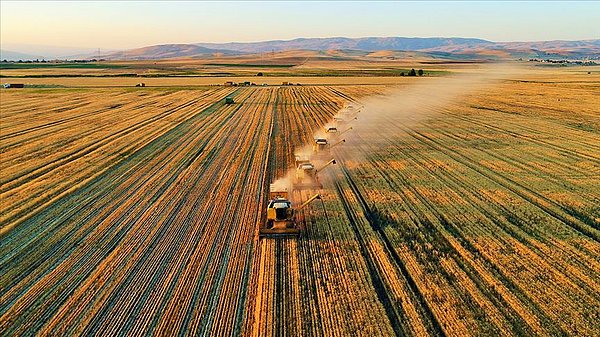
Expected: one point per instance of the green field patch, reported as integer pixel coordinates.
(242, 65)
(74, 75)
(364, 72)
(68, 65)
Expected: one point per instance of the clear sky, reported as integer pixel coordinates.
(131, 24)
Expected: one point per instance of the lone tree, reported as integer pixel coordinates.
(420, 72)
(412, 72)
(259, 74)
(402, 74)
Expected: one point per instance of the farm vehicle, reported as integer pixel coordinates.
(281, 214)
(322, 147)
(306, 175)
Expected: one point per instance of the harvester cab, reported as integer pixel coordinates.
(281, 220)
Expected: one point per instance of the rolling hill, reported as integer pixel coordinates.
(167, 51)
(15, 56)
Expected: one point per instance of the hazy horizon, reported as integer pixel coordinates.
(126, 25)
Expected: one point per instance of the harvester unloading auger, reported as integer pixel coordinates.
(281, 215)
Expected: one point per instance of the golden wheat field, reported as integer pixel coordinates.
(466, 208)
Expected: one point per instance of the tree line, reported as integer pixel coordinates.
(412, 72)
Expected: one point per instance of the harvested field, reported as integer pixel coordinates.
(135, 212)
(183, 82)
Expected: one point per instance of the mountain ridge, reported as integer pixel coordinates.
(449, 47)
(327, 43)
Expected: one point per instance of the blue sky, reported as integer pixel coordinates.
(130, 24)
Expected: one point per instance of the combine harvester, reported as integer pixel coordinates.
(350, 110)
(336, 134)
(281, 215)
(322, 147)
(348, 114)
(306, 174)
(331, 130)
